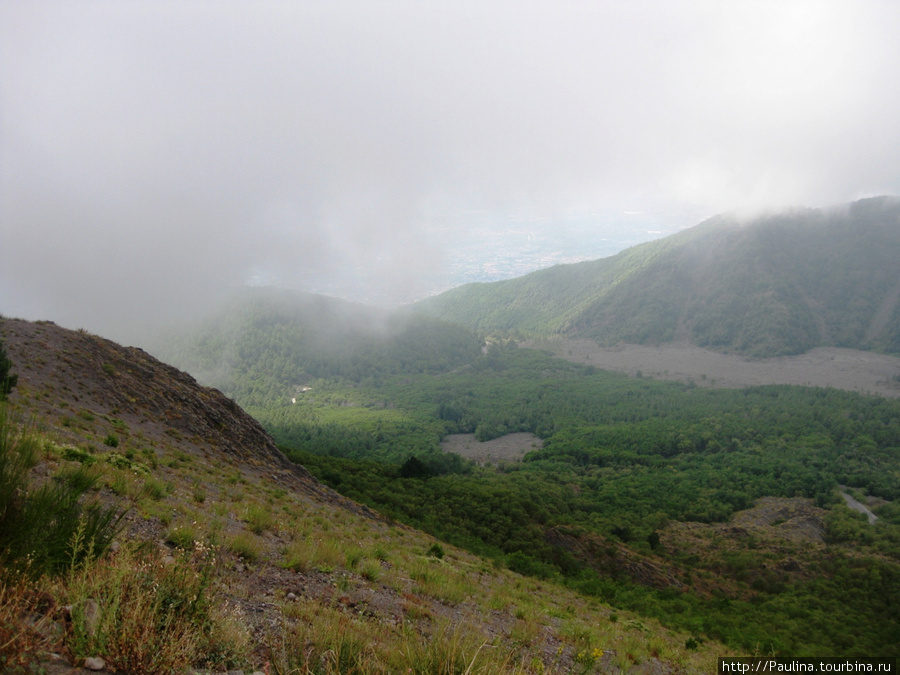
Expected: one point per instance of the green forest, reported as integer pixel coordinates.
(624, 463)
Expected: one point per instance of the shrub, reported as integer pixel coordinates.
(120, 461)
(48, 527)
(78, 455)
(7, 381)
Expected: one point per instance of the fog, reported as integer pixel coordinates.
(157, 155)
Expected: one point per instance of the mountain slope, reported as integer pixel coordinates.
(779, 284)
(269, 342)
(293, 575)
(100, 381)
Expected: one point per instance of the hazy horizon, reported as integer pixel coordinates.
(155, 155)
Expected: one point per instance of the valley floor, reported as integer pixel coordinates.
(848, 369)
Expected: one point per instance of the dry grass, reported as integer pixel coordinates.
(146, 615)
(313, 554)
(26, 631)
(328, 641)
(142, 614)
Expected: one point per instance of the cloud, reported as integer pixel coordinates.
(156, 154)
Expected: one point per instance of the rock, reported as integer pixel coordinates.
(91, 615)
(94, 663)
(290, 596)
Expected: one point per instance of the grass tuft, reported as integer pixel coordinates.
(259, 518)
(246, 546)
(306, 555)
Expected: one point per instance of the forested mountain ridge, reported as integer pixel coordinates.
(778, 284)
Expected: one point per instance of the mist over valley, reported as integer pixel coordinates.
(464, 338)
(158, 157)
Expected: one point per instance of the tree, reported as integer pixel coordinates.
(414, 468)
(7, 381)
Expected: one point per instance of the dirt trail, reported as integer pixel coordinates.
(861, 508)
(865, 372)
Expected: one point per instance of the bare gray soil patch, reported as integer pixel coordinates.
(849, 369)
(858, 507)
(509, 448)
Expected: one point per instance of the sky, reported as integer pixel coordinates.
(157, 155)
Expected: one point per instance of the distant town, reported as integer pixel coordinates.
(487, 250)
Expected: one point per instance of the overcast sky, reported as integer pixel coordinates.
(155, 153)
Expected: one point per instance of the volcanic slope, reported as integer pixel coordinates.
(296, 577)
(775, 285)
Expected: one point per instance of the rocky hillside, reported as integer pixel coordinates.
(85, 386)
(287, 575)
